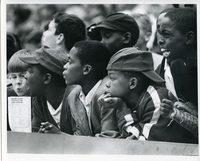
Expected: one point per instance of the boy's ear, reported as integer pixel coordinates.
(60, 38)
(133, 82)
(190, 36)
(127, 37)
(86, 69)
(47, 78)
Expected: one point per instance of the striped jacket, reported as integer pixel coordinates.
(144, 122)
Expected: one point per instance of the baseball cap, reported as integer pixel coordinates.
(51, 59)
(134, 60)
(121, 22)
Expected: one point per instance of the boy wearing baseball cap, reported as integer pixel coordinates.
(133, 89)
(117, 30)
(47, 86)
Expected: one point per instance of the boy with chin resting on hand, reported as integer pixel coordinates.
(133, 89)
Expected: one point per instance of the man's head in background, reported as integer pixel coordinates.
(64, 30)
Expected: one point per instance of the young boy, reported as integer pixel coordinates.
(177, 38)
(17, 71)
(118, 30)
(87, 67)
(47, 86)
(132, 90)
(63, 31)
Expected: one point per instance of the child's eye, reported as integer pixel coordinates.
(13, 76)
(166, 34)
(22, 75)
(107, 35)
(111, 77)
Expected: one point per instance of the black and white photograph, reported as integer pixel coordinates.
(108, 80)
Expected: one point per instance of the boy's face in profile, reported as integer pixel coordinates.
(113, 40)
(73, 70)
(170, 40)
(19, 83)
(118, 84)
(49, 38)
(35, 80)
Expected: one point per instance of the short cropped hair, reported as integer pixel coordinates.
(72, 27)
(15, 64)
(185, 19)
(94, 53)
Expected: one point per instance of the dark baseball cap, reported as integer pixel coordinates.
(134, 60)
(51, 59)
(121, 22)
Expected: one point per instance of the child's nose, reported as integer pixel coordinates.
(160, 39)
(19, 80)
(65, 66)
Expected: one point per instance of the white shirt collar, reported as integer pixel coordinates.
(169, 81)
(167, 69)
(87, 99)
(55, 113)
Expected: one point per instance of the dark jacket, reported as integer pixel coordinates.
(73, 119)
(185, 80)
(103, 121)
(146, 123)
(42, 114)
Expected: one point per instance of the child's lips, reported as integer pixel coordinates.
(65, 77)
(165, 52)
(19, 90)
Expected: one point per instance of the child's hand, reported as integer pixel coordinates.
(108, 101)
(167, 105)
(166, 108)
(47, 127)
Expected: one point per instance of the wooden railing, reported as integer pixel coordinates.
(66, 144)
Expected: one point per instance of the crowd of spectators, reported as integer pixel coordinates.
(28, 21)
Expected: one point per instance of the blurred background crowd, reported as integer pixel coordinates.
(28, 21)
